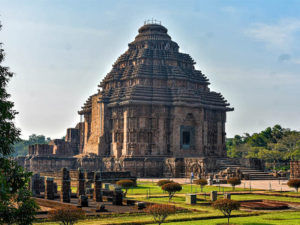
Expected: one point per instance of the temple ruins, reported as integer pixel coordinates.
(154, 115)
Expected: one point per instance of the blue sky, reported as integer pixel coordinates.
(60, 50)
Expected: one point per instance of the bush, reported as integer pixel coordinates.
(126, 184)
(162, 182)
(67, 215)
(234, 181)
(202, 183)
(171, 188)
(295, 183)
(160, 212)
(226, 206)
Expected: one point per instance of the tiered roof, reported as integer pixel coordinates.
(154, 56)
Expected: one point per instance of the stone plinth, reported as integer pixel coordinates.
(227, 196)
(49, 188)
(213, 196)
(190, 199)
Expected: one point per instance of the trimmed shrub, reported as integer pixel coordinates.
(234, 181)
(294, 183)
(67, 215)
(160, 212)
(171, 188)
(202, 183)
(162, 182)
(226, 206)
(126, 184)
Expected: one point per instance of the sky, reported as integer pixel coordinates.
(60, 50)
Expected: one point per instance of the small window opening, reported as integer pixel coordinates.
(186, 138)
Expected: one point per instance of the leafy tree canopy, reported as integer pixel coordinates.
(273, 145)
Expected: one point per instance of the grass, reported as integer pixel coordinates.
(200, 212)
(286, 218)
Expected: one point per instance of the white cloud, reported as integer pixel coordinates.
(280, 35)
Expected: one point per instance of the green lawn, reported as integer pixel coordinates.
(281, 218)
(144, 187)
(286, 218)
(200, 212)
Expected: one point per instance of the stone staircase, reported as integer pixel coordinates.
(253, 174)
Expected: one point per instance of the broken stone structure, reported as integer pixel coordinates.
(49, 189)
(97, 187)
(65, 194)
(81, 183)
(295, 169)
(153, 115)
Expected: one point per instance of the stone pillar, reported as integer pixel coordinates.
(97, 187)
(81, 183)
(42, 184)
(35, 184)
(49, 189)
(213, 196)
(65, 193)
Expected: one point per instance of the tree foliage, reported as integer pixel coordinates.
(201, 182)
(171, 188)
(126, 184)
(294, 183)
(162, 182)
(234, 181)
(226, 206)
(21, 147)
(67, 215)
(274, 145)
(160, 212)
(16, 204)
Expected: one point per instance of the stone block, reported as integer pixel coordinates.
(117, 198)
(83, 201)
(49, 189)
(190, 199)
(227, 196)
(213, 195)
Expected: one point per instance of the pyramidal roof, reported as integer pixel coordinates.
(153, 71)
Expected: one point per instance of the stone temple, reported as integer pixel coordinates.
(153, 115)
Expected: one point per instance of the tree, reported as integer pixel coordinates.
(233, 182)
(9, 134)
(162, 182)
(171, 188)
(160, 212)
(295, 183)
(16, 205)
(202, 183)
(125, 184)
(226, 206)
(67, 215)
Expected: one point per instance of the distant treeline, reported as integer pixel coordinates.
(21, 148)
(275, 145)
